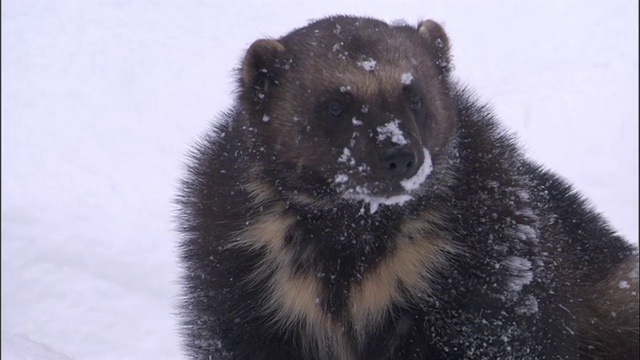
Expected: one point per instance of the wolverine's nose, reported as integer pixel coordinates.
(400, 162)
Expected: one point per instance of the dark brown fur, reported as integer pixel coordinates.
(287, 257)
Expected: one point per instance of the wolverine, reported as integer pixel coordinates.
(359, 203)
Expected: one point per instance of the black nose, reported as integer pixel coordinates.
(399, 161)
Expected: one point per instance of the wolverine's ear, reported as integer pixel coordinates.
(260, 65)
(437, 43)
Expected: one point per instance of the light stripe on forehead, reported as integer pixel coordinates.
(383, 80)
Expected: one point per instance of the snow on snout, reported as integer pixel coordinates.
(416, 180)
(392, 130)
(362, 193)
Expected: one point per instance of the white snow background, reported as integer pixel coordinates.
(102, 99)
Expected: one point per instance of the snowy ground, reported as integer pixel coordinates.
(101, 99)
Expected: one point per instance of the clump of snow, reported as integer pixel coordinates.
(368, 65)
(416, 180)
(265, 118)
(346, 157)
(524, 194)
(528, 212)
(392, 130)
(344, 89)
(364, 109)
(624, 284)
(439, 42)
(338, 29)
(526, 232)
(341, 178)
(520, 268)
(355, 134)
(374, 201)
(441, 63)
(529, 307)
(356, 122)
(364, 168)
(406, 78)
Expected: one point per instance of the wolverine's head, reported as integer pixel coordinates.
(349, 108)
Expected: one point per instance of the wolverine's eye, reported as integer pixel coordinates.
(336, 109)
(415, 105)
